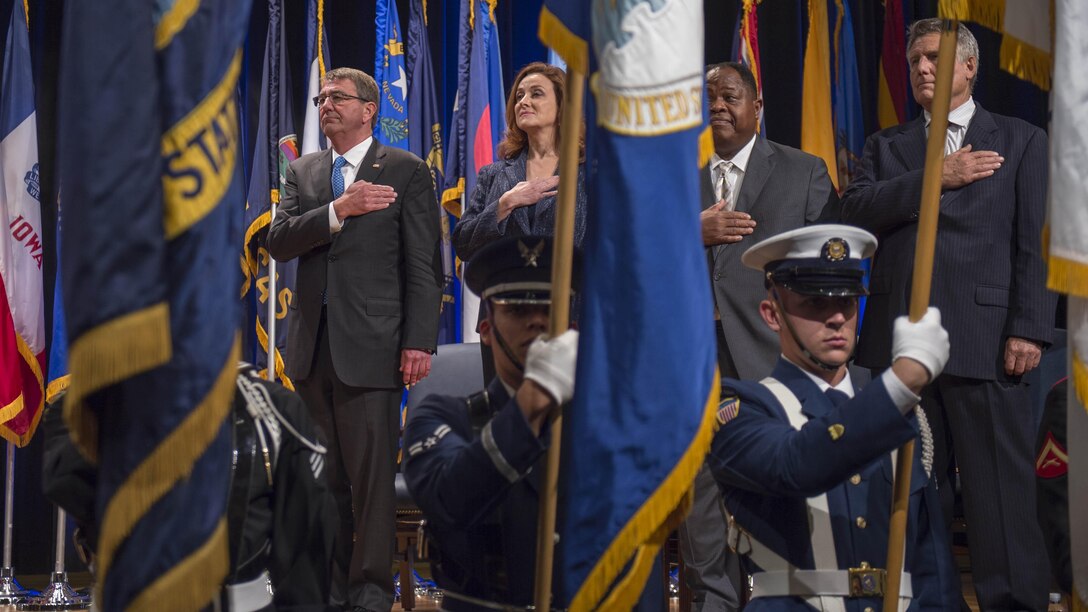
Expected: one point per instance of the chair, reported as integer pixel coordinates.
(456, 369)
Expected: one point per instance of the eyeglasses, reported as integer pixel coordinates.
(336, 97)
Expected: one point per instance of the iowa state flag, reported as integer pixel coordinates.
(22, 307)
(153, 202)
(643, 408)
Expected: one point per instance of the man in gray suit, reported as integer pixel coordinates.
(362, 220)
(759, 189)
(989, 282)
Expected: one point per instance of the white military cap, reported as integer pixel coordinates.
(815, 260)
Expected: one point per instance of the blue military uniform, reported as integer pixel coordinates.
(781, 484)
(478, 490)
(806, 469)
(473, 465)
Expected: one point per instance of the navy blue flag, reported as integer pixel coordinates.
(391, 75)
(453, 188)
(643, 411)
(276, 146)
(57, 377)
(425, 140)
(153, 206)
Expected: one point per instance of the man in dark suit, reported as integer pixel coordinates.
(759, 189)
(361, 218)
(989, 284)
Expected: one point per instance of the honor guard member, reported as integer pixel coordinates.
(804, 461)
(473, 464)
(280, 514)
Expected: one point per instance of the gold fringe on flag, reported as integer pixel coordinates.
(173, 21)
(1079, 374)
(8, 412)
(262, 337)
(320, 44)
(187, 585)
(644, 533)
(572, 48)
(1026, 62)
(171, 461)
(990, 13)
(451, 198)
(115, 350)
(1067, 276)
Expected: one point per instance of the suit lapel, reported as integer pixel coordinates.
(910, 144)
(514, 172)
(981, 135)
(760, 165)
(320, 177)
(706, 191)
(373, 163)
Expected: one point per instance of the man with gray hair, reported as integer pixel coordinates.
(361, 219)
(989, 284)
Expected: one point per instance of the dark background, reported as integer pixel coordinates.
(350, 27)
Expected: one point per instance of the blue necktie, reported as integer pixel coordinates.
(838, 398)
(338, 176)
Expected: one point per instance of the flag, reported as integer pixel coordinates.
(317, 59)
(556, 60)
(57, 378)
(817, 133)
(892, 89)
(846, 97)
(153, 206)
(391, 76)
(478, 130)
(1026, 30)
(484, 114)
(643, 410)
(22, 307)
(453, 188)
(425, 140)
(746, 49)
(486, 119)
(1067, 255)
(276, 146)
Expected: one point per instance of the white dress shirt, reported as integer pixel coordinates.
(353, 157)
(959, 119)
(728, 175)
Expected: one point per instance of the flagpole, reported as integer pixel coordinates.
(562, 259)
(270, 359)
(11, 592)
(920, 288)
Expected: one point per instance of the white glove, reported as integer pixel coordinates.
(925, 341)
(550, 364)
